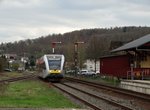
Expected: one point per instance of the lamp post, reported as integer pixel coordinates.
(53, 46)
(132, 72)
(76, 55)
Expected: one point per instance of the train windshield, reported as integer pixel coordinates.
(54, 64)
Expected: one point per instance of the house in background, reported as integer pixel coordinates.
(10, 56)
(90, 65)
(15, 62)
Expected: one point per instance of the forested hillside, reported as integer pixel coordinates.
(98, 42)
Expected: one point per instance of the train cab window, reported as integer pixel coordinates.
(54, 64)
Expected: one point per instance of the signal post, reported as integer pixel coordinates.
(76, 55)
(53, 46)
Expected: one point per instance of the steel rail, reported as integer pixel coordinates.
(113, 102)
(114, 89)
(78, 98)
(17, 78)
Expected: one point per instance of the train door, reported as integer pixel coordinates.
(44, 71)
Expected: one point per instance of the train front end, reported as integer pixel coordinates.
(55, 67)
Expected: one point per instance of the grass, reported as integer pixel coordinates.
(100, 79)
(106, 80)
(33, 94)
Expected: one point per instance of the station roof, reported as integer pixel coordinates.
(134, 44)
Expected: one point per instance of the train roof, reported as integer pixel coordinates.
(52, 54)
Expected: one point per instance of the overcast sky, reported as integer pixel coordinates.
(29, 19)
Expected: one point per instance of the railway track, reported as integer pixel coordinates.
(141, 96)
(97, 101)
(18, 78)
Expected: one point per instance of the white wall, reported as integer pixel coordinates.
(90, 65)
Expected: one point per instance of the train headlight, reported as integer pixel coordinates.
(59, 71)
(50, 71)
(54, 71)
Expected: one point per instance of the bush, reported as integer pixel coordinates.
(15, 66)
(3, 63)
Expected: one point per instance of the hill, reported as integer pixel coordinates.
(98, 42)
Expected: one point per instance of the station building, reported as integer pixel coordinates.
(134, 63)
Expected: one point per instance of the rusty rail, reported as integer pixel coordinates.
(17, 78)
(112, 102)
(78, 98)
(130, 93)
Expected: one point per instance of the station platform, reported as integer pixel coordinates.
(142, 86)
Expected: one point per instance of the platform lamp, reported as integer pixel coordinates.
(53, 46)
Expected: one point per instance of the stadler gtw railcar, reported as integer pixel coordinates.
(50, 67)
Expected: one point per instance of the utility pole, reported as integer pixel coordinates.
(76, 55)
(53, 46)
